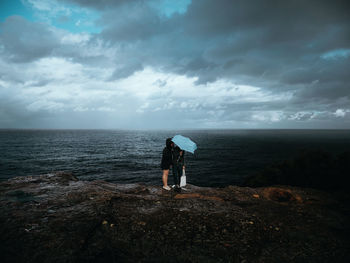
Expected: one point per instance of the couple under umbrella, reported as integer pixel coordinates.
(173, 156)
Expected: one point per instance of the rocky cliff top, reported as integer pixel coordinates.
(58, 218)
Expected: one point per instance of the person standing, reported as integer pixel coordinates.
(167, 161)
(178, 165)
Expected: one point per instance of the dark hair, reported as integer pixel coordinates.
(168, 143)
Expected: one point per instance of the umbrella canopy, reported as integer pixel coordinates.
(184, 143)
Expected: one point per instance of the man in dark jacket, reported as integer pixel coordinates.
(178, 165)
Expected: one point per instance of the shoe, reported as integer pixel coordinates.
(166, 188)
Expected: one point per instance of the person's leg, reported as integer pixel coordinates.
(165, 177)
(179, 169)
(175, 174)
(180, 172)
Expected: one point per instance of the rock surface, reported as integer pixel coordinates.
(57, 218)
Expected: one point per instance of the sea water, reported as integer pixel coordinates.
(223, 157)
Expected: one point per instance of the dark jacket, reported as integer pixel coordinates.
(166, 159)
(167, 156)
(177, 158)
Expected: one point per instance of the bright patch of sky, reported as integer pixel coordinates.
(337, 54)
(170, 7)
(14, 7)
(341, 112)
(64, 16)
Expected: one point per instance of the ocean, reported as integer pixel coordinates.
(223, 157)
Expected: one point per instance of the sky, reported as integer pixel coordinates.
(166, 64)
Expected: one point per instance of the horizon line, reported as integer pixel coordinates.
(162, 129)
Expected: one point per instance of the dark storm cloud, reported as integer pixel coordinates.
(24, 41)
(250, 41)
(269, 22)
(320, 71)
(125, 71)
(133, 23)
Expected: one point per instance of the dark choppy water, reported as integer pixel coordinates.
(223, 156)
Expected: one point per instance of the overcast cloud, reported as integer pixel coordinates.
(154, 64)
